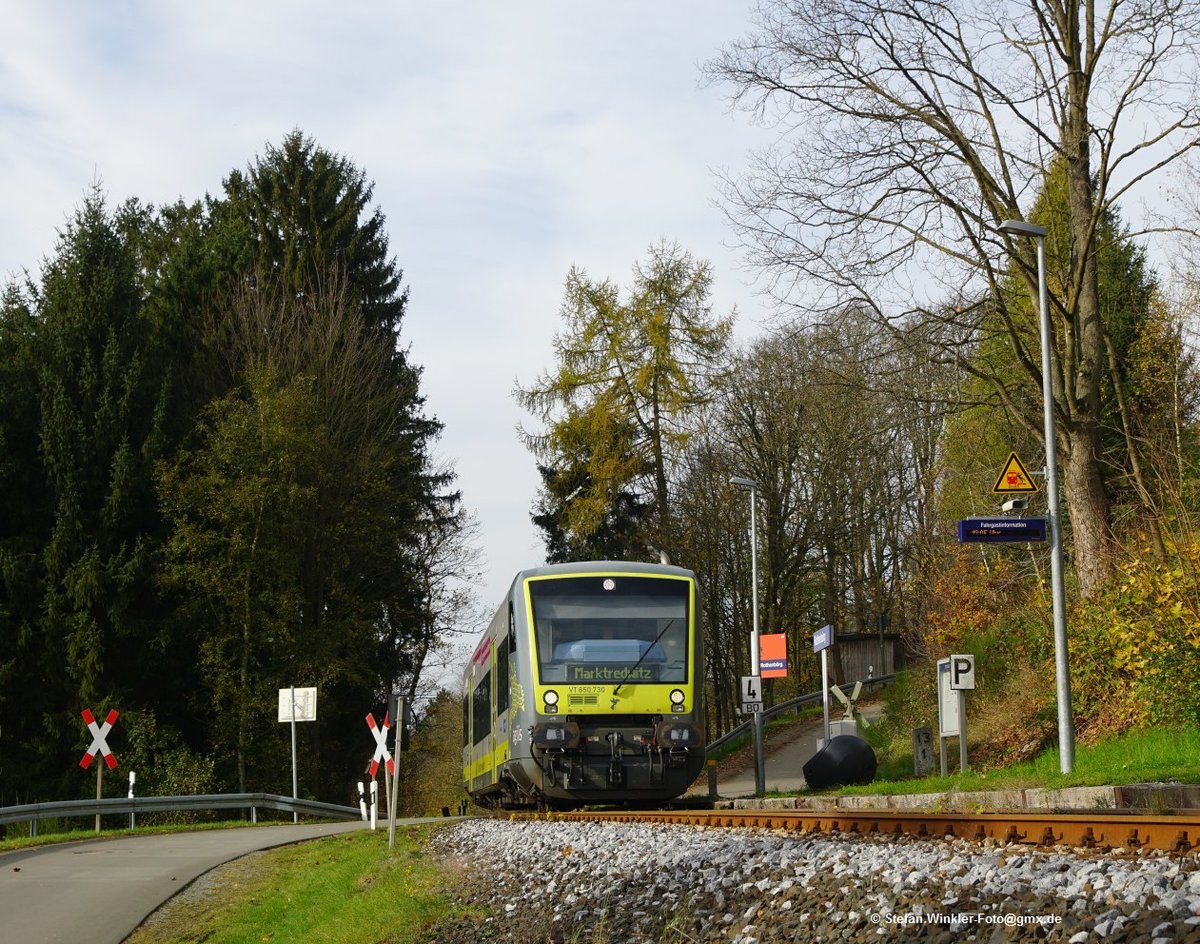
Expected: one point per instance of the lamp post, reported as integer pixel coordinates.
(760, 773)
(1062, 673)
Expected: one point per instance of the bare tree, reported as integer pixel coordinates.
(843, 455)
(449, 564)
(912, 128)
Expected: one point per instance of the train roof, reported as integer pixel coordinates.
(591, 567)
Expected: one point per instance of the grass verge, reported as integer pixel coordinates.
(340, 890)
(1135, 757)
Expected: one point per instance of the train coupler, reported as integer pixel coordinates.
(616, 774)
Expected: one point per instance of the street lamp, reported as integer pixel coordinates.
(760, 774)
(1062, 673)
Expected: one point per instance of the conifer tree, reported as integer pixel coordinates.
(628, 373)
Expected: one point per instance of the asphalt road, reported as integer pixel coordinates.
(785, 765)
(99, 891)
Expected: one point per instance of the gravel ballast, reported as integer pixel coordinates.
(592, 882)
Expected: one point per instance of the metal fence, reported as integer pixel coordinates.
(64, 809)
(811, 698)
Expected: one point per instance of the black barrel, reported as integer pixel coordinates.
(844, 760)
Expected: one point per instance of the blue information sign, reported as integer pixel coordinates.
(998, 530)
(823, 638)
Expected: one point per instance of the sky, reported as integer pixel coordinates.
(507, 142)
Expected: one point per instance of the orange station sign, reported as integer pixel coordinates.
(772, 655)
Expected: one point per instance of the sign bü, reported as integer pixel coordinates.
(99, 743)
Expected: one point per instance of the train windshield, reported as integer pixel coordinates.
(607, 630)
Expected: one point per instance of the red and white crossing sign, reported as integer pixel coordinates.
(381, 751)
(99, 733)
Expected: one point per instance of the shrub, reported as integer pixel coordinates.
(164, 765)
(1134, 646)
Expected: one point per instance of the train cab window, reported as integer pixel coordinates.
(502, 678)
(622, 627)
(481, 708)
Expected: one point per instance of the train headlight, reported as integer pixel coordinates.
(677, 696)
(550, 697)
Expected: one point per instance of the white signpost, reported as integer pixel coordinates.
(956, 676)
(362, 800)
(822, 640)
(296, 704)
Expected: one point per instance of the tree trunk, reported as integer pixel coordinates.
(1077, 389)
(1089, 509)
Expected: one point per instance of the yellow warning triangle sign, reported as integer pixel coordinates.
(1014, 478)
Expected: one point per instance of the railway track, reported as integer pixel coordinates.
(1100, 830)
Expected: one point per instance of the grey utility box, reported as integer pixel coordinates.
(843, 726)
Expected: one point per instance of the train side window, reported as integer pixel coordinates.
(481, 708)
(512, 628)
(466, 706)
(502, 678)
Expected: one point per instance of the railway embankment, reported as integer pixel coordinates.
(1155, 797)
(599, 882)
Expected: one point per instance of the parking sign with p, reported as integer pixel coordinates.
(962, 673)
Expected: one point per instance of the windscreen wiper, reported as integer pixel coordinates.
(660, 635)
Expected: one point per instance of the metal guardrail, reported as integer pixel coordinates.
(811, 698)
(62, 809)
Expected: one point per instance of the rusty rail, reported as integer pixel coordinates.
(1100, 830)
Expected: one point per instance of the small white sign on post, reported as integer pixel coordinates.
(751, 694)
(296, 704)
(305, 704)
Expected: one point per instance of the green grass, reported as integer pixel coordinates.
(1135, 757)
(340, 890)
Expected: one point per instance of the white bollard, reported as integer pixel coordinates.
(362, 801)
(374, 804)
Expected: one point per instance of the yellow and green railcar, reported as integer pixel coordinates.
(587, 687)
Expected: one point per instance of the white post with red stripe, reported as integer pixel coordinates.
(99, 745)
